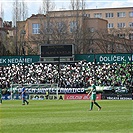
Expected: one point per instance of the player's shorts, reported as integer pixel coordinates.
(93, 97)
(23, 97)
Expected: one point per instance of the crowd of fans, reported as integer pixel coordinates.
(67, 75)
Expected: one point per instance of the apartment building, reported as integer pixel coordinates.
(43, 29)
(63, 27)
(38, 24)
(118, 18)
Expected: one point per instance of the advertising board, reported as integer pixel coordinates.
(117, 97)
(9, 60)
(79, 97)
(106, 58)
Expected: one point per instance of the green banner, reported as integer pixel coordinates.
(114, 58)
(106, 58)
(8, 60)
(86, 57)
(99, 58)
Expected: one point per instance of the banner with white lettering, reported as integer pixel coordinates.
(43, 90)
(43, 97)
(114, 58)
(106, 58)
(117, 97)
(79, 97)
(53, 90)
(8, 60)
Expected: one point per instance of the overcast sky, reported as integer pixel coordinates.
(33, 5)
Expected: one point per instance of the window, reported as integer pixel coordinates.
(61, 27)
(131, 36)
(131, 14)
(131, 24)
(110, 25)
(73, 26)
(92, 29)
(121, 25)
(35, 28)
(121, 14)
(121, 35)
(109, 15)
(87, 15)
(98, 15)
(48, 28)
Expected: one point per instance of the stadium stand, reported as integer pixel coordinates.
(67, 75)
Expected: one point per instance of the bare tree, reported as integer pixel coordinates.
(45, 25)
(122, 41)
(59, 33)
(24, 10)
(59, 30)
(104, 42)
(1, 11)
(20, 12)
(2, 42)
(15, 12)
(78, 18)
(47, 7)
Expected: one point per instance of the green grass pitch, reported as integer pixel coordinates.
(68, 116)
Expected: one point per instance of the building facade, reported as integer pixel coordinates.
(106, 30)
(118, 18)
(45, 29)
(6, 35)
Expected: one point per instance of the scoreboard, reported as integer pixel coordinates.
(50, 52)
(56, 50)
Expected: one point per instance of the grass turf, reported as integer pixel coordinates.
(68, 116)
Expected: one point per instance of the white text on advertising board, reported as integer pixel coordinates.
(112, 58)
(16, 60)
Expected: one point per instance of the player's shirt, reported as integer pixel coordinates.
(23, 92)
(93, 89)
(93, 94)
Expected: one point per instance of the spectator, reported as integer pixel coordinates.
(68, 75)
